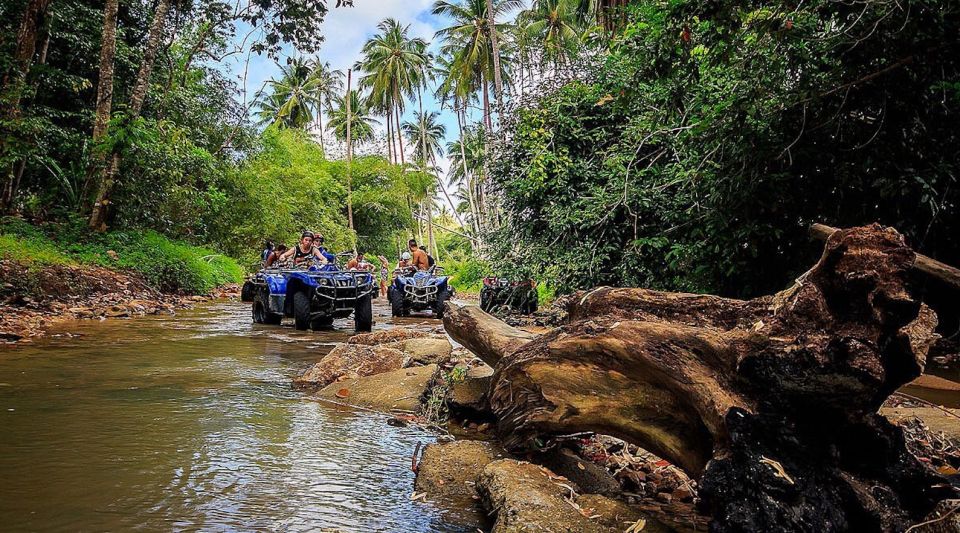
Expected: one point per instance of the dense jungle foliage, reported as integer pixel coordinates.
(692, 151)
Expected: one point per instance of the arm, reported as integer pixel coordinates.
(286, 255)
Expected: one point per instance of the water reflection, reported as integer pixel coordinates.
(189, 422)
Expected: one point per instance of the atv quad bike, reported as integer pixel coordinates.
(312, 296)
(516, 296)
(414, 290)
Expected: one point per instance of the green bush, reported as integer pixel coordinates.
(168, 265)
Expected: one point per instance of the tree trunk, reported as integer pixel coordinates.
(15, 83)
(353, 232)
(108, 49)
(396, 110)
(495, 45)
(390, 137)
(466, 176)
(772, 403)
(98, 216)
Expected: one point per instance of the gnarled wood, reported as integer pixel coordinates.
(770, 402)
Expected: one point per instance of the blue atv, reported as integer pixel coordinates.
(313, 296)
(414, 290)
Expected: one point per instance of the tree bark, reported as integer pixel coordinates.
(98, 216)
(772, 403)
(353, 232)
(108, 50)
(396, 110)
(495, 45)
(15, 83)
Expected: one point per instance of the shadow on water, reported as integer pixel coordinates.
(189, 422)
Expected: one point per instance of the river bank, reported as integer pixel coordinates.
(34, 301)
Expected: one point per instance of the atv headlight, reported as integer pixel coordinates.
(324, 281)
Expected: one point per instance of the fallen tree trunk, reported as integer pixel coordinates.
(771, 402)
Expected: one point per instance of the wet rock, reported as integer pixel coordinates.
(527, 497)
(616, 514)
(350, 361)
(116, 312)
(449, 471)
(425, 350)
(387, 336)
(468, 398)
(590, 477)
(398, 389)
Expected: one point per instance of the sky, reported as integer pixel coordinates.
(345, 30)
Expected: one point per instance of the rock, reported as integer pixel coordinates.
(589, 476)
(449, 471)
(664, 497)
(425, 350)
(468, 398)
(525, 498)
(682, 494)
(116, 312)
(349, 360)
(616, 514)
(398, 389)
(387, 336)
(113, 255)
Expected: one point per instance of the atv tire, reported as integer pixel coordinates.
(363, 314)
(486, 299)
(440, 305)
(261, 311)
(321, 323)
(396, 302)
(301, 310)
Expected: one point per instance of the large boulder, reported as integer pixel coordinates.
(350, 361)
(449, 471)
(385, 336)
(527, 497)
(425, 350)
(395, 390)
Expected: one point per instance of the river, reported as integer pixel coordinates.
(189, 422)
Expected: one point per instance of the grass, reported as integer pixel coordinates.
(168, 265)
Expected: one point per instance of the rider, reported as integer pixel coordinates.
(430, 260)
(305, 251)
(358, 263)
(404, 260)
(418, 257)
(275, 255)
(318, 243)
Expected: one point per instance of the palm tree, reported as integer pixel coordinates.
(361, 119)
(467, 161)
(555, 26)
(468, 42)
(292, 97)
(394, 64)
(328, 86)
(425, 131)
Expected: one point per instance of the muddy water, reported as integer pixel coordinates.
(189, 422)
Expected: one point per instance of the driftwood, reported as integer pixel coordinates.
(771, 403)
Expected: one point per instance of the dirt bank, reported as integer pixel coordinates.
(34, 300)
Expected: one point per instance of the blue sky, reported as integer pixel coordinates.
(345, 30)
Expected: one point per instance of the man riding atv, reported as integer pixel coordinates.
(417, 286)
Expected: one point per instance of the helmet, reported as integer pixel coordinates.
(405, 256)
(306, 234)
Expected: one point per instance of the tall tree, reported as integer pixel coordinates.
(293, 96)
(328, 85)
(98, 216)
(15, 84)
(361, 119)
(108, 50)
(393, 63)
(555, 26)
